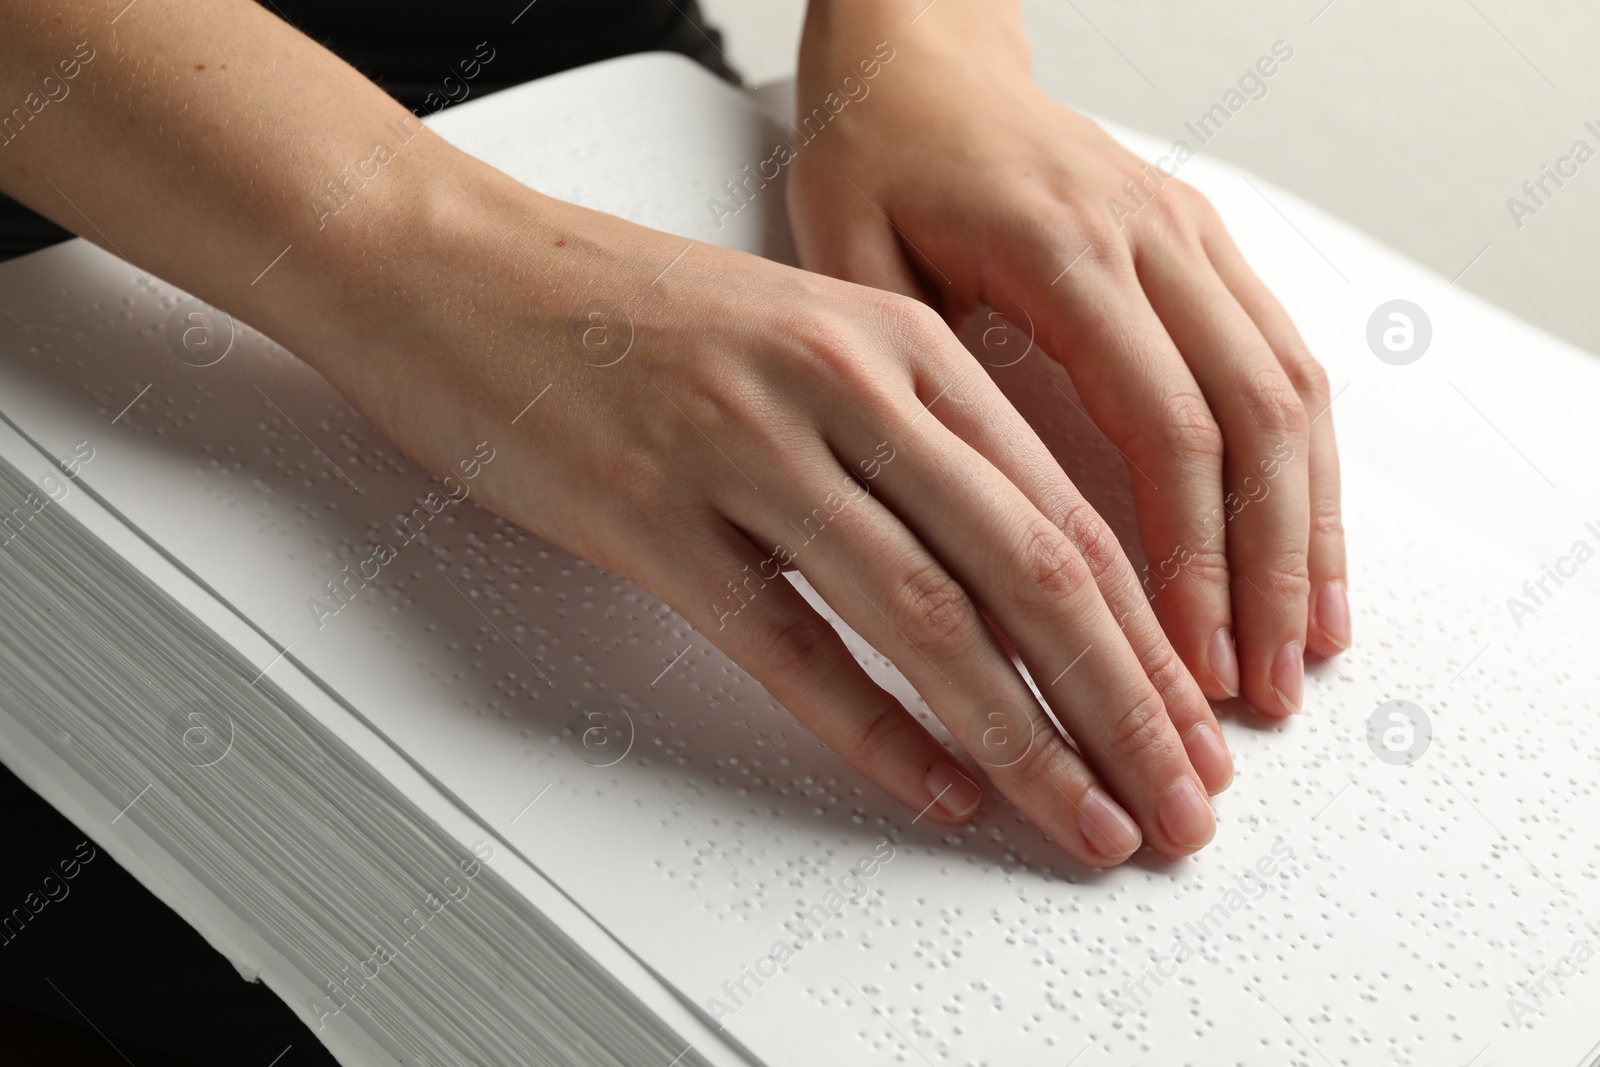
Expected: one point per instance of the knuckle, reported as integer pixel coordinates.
(1309, 378)
(1206, 563)
(925, 346)
(1172, 207)
(1051, 565)
(1040, 763)
(827, 345)
(913, 322)
(1092, 537)
(1093, 227)
(1197, 563)
(1185, 427)
(871, 352)
(1326, 524)
(1287, 579)
(1064, 215)
(881, 733)
(1167, 672)
(1167, 209)
(935, 608)
(801, 644)
(1139, 730)
(1272, 404)
(725, 404)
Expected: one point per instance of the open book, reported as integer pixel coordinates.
(459, 797)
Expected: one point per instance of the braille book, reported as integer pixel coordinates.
(459, 797)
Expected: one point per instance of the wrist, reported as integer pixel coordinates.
(397, 265)
(960, 31)
(459, 267)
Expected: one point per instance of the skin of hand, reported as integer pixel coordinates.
(758, 416)
(953, 179)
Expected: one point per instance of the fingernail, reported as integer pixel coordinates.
(1224, 661)
(1209, 756)
(1333, 613)
(1289, 676)
(1185, 814)
(956, 795)
(1109, 830)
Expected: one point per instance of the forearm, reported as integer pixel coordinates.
(219, 148)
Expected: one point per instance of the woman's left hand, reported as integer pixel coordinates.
(935, 168)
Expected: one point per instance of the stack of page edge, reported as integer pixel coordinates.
(333, 865)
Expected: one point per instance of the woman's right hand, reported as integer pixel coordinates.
(441, 297)
(704, 417)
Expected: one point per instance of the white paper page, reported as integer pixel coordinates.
(1416, 898)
